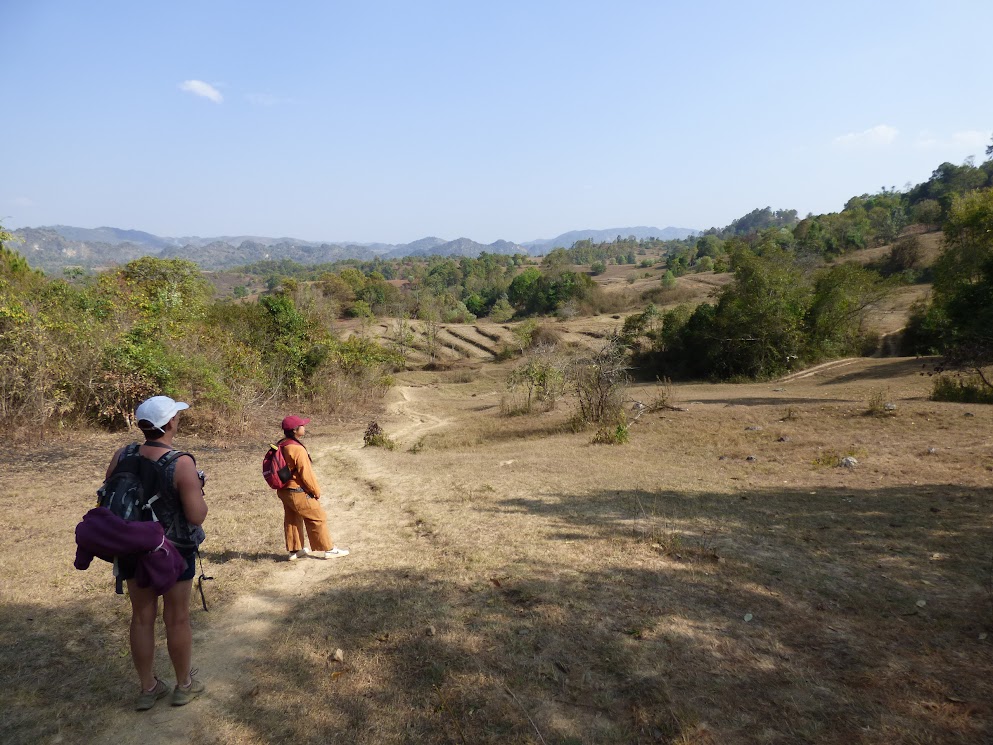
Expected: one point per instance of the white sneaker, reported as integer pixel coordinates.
(305, 551)
(334, 553)
(294, 555)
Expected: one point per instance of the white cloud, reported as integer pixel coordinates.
(970, 138)
(967, 139)
(880, 135)
(200, 88)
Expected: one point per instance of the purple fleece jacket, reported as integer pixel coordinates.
(103, 535)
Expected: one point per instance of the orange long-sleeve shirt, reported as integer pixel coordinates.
(298, 459)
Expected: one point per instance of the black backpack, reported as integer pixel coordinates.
(140, 489)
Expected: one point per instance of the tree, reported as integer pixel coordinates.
(963, 286)
(524, 289)
(758, 323)
(542, 376)
(401, 336)
(928, 213)
(842, 298)
(502, 311)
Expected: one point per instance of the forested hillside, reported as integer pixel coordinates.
(87, 348)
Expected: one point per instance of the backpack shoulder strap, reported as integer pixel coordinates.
(129, 453)
(281, 445)
(296, 441)
(173, 455)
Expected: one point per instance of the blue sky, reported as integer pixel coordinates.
(391, 121)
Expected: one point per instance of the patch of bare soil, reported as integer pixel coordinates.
(718, 579)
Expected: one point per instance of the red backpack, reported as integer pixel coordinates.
(275, 471)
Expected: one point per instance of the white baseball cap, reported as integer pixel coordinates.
(158, 410)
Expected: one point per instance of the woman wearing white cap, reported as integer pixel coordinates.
(183, 492)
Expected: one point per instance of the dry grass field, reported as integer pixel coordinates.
(717, 579)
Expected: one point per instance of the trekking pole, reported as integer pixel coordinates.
(200, 580)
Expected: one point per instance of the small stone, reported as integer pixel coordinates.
(748, 617)
(921, 603)
(523, 632)
(753, 428)
(751, 458)
(932, 451)
(889, 407)
(848, 462)
(784, 438)
(339, 655)
(982, 637)
(968, 413)
(779, 390)
(429, 631)
(722, 457)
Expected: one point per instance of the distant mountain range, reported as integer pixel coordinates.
(55, 247)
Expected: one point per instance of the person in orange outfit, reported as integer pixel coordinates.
(301, 498)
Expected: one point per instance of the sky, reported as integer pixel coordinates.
(519, 120)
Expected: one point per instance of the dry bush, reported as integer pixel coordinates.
(545, 336)
(463, 375)
(664, 398)
(600, 381)
(791, 414)
(375, 437)
(877, 405)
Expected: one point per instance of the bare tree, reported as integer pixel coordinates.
(600, 382)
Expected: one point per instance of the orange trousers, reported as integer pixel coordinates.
(300, 512)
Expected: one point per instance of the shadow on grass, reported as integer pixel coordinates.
(773, 400)
(623, 635)
(65, 671)
(223, 557)
(781, 616)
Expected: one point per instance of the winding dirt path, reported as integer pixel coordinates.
(223, 649)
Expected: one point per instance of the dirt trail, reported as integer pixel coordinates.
(822, 368)
(222, 650)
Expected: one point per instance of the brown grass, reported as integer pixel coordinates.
(511, 583)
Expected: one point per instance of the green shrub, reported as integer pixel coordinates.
(375, 437)
(616, 435)
(963, 389)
